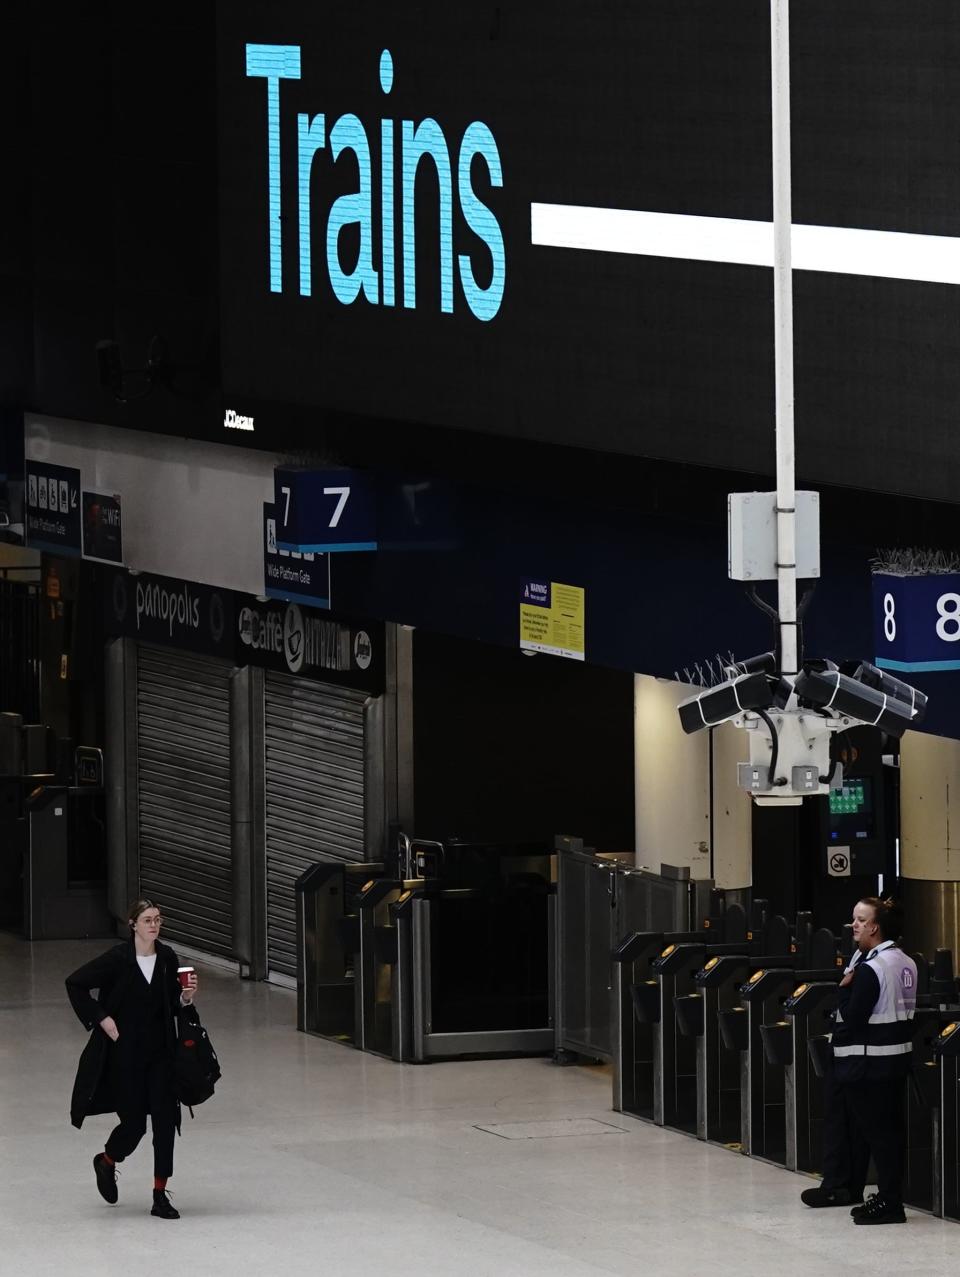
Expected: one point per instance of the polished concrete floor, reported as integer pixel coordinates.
(313, 1158)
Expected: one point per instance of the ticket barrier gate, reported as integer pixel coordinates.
(602, 900)
(330, 998)
(654, 1058)
(762, 1084)
(947, 1053)
(922, 1170)
(937, 1010)
(716, 992)
(813, 957)
(720, 1068)
(376, 990)
(639, 1002)
(806, 1014)
(655, 1072)
(470, 935)
(680, 1033)
(729, 1028)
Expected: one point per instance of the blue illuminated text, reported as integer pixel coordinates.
(422, 144)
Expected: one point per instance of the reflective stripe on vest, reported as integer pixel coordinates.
(897, 1048)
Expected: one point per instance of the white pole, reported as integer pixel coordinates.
(783, 323)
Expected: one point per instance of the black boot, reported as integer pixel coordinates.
(858, 1210)
(826, 1196)
(879, 1211)
(106, 1179)
(163, 1208)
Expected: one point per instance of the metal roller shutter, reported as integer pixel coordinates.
(183, 740)
(314, 793)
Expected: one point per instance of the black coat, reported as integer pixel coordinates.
(102, 1063)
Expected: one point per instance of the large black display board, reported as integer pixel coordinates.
(655, 105)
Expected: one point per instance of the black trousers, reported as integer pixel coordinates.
(863, 1119)
(147, 1092)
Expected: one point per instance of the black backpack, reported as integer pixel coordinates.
(196, 1068)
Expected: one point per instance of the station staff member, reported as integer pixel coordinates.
(871, 1059)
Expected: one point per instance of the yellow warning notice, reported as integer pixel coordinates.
(552, 618)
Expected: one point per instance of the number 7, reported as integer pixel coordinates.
(344, 495)
(286, 508)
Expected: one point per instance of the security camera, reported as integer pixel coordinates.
(868, 674)
(790, 720)
(729, 700)
(830, 690)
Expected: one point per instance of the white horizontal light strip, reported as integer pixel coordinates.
(837, 249)
(620, 230)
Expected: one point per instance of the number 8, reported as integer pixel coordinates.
(948, 606)
(889, 619)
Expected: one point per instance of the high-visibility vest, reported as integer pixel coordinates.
(890, 1028)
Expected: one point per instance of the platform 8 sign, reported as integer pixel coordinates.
(916, 622)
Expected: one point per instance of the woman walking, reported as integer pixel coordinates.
(127, 1065)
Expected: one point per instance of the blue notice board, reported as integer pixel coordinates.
(325, 511)
(291, 574)
(916, 622)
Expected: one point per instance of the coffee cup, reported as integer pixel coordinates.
(183, 975)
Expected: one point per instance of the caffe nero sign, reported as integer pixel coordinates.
(298, 640)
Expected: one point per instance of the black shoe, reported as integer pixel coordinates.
(826, 1196)
(163, 1208)
(858, 1210)
(106, 1179)
(879, 1211)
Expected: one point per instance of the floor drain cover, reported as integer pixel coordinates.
(559, 1128)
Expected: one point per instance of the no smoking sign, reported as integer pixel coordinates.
(838, 862)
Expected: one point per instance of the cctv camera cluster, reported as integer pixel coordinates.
(791, 720)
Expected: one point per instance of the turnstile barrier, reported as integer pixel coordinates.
(602, 900)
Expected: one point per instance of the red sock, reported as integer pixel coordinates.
(108, 1159)
(159, 1183)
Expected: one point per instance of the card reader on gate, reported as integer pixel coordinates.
(426, 858)
(948, 1043)
(678, 957)
(719, 968)
(808, 996)
(765, 982)
(375, 890)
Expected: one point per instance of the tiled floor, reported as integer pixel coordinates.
(315, 1159)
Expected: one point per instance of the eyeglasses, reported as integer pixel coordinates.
(151, 922)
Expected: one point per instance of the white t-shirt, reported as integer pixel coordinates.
(146, 965)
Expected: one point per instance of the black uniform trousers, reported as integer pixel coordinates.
(147, 1090)
(864, 1118)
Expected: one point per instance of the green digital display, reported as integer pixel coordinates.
(849, 800)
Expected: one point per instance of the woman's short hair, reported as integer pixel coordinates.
(137, 907)
(888, 914)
